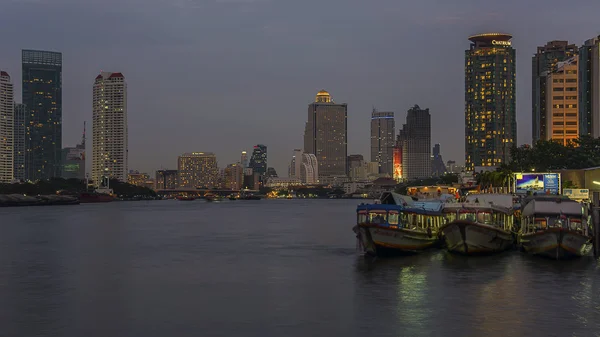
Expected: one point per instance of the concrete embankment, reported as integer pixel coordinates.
(11, 200)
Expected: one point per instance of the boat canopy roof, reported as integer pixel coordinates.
(553, 207)
(423, 207)
(391, 198)
(501, 200)
(378, 207)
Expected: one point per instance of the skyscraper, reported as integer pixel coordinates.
(490, 118)
(258, 160)
(589, 88)
(19, 132)
(294, 169)
(6, 128)
(244, 159)
(415, 140)
(438, 168)
(543, 61)
(326, 136)
(42, 94)
(197, 170)
(562, 121)
(383, 139)
(109, 128)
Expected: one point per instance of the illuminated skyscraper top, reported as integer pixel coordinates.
(490, 117)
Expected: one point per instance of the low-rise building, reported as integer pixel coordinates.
(276, 183)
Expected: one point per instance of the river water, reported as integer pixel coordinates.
(265, 268)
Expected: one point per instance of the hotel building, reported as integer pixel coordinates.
(383, 139)
(589, 88)
(562, 121)
(326, 136)
(490, 117)
(197, 170)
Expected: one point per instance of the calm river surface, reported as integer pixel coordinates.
(265, 268)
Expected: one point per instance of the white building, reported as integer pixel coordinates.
(6, 128)
(309, 169)
(109, 127)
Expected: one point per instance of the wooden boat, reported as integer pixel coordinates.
(481, 225)
(397, 224)
(555, 227)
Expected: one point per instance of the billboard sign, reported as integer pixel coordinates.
(540, 183)
(576, 193)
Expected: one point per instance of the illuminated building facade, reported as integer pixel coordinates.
(244, 159)
(258, 160)
(234, 176)
(42, 94)
(19, 133)
(166, 180)
(545, 59)
(6, 128)
(73, 161)
(383, 139)
(561, 104)
(490, 115)
(294, 169)
(326, 136)
(415, 141)
(138, 179)
(197, 170)
(109, 128)
(589, 88)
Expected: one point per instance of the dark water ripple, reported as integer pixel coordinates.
(265, 268)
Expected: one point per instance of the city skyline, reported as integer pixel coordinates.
(354, 76)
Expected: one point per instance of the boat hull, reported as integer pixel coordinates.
(471, 238)
(556, 243)
(381, 241)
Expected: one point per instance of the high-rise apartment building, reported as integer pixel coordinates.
(197, 170)
(490, 117)
(6, 128)
(589, 88)
(109, 127)
(166, 180)
(545, 59)
(415, 140)
(562, 121)
(234, 176)
(383, 139)
(42, 94)
(19, 133)
(326, 136)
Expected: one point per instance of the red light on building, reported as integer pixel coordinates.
(397, 163)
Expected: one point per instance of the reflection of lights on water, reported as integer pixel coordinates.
(412, 287)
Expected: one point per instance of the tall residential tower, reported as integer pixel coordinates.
(490, 117)
(383, 139)
(19, 149)
(109, 128)
(6, 128)
(42, 94)
(326, 136)
(543, 62)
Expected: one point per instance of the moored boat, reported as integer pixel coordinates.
(481, 225)
(555, 227)
(185, 198)
(397, 224)
(212, 197)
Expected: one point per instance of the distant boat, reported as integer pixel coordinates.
(212, 197)
(185, 198)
